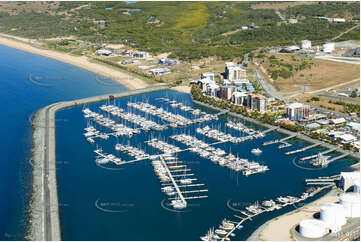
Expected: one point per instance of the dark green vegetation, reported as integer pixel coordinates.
(348, 107)
(339, 9)
(352, 35)
(189, 30)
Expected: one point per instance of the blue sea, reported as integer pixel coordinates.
(29, 82)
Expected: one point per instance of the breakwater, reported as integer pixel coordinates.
(45, 224)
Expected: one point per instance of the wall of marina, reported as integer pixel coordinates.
(45, 223)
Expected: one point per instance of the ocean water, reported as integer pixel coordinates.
(20, 96)
(127, 204)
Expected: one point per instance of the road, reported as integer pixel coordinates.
(340, 98)
(281, 16)
(347, 60)
(345, 32)
(267, 88)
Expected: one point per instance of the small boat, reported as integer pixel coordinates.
(118, 146)
(256, 151)
(220, 232)
(178, 204)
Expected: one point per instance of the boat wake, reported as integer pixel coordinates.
(305, 168)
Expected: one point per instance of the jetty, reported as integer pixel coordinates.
(222, 112)
(338, 157)
(175, 185)
(315, 156)
(302, 149)
(323, 180)
(269, 130)
(279, 140)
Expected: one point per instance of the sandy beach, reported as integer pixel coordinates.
(279, 228)
(185, 89)
(122, 77)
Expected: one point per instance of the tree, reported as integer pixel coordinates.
(353, 93)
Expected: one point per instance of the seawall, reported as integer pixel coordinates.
(45, 221)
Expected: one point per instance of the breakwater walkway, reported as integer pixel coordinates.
(45, 224)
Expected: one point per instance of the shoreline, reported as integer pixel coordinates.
(119, 76)
(183, 89)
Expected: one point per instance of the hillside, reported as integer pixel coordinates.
(189, 30)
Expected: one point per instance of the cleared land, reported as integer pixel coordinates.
(318, 74)
(279, 5)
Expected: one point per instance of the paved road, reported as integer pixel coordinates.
(340, 98)
(345, 32)
(267, 88)
(347, 60)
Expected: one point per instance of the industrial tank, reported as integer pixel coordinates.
(328, 47)
(333, 215)
(356, 187)
(312, 228)
(351, 204)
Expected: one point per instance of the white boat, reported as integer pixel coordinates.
(227, 225)
(178, 204)
(118, 146)
(256, 151)
(185, 181)
(220, 232)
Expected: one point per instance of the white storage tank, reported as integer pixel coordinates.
(351, 203)
(306, 44)
(312, 228)
(328, 47)
(356, 188)
(333, 215)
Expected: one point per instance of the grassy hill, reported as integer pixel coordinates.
(189, 30)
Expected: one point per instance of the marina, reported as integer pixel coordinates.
(185, 152)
